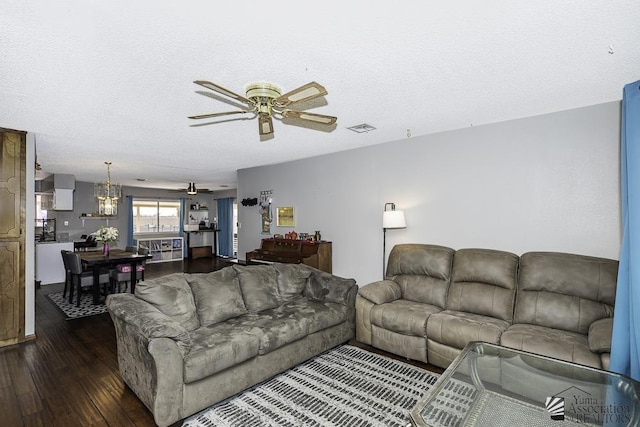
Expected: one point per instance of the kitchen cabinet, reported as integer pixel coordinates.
(63, 199)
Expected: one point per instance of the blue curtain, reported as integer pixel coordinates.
(625, 346)
(129, 207)
(181, 232)
(225, 224)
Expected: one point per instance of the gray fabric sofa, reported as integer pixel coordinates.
(435, 300)
(187, 341)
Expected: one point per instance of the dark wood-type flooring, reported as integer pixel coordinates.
(68, 375)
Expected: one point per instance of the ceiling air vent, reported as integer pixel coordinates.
(362, 128)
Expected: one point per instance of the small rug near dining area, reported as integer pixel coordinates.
(346, 387)
(70, 311)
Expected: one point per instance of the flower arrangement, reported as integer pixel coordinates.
(106, 234)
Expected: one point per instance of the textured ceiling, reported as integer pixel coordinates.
(113, 80)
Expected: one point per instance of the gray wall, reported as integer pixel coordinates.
(548, 182)
(85, 202)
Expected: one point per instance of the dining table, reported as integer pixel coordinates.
(97, 261)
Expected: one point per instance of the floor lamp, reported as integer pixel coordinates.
(391, 218)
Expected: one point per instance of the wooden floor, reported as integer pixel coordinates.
(68, 375)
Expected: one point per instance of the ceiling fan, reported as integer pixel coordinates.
(266, 101)
(192, 190)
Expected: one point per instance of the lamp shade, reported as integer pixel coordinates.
(393, 219)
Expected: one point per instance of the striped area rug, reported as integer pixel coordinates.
(346, 387)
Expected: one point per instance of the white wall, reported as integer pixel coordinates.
(29, 247)
(548, 182)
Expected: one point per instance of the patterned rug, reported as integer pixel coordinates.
(70, 311)
(345, 387)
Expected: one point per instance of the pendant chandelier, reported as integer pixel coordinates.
(107, 195)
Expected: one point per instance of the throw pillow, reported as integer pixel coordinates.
(292, 279)
(217, 295)
(326, 287)
(171, 295)
(259, 285)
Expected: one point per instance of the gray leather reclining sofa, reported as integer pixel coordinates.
(435, 300)
(187, 341)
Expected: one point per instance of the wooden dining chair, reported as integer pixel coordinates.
(67, 271)
(82, 278)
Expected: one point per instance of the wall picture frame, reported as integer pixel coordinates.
(285, 216)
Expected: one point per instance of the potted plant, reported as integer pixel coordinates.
(106, 235)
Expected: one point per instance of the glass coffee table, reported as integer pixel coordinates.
(490, 385)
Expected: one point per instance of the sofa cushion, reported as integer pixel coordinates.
(483, 281)
(457, 329)
(280, 326)
(557, 343)
(403, 316)
(219, 346)
(259, 285)
(217, 295)
(326, 287)
(321, 315)
(292, 279)
(565, 291)
(171, 295)
(423, 272)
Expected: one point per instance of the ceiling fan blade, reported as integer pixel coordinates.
(303, 93)
(265, 124)
(223, 91)
(224, 113)
(303, 115)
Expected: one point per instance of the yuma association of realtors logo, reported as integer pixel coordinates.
(581, 407)
(554, 406)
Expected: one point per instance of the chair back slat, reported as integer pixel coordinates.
(75, 263)
(65, 260)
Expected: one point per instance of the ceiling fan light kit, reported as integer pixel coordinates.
(266, 101)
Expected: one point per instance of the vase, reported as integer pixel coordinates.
(105, 249)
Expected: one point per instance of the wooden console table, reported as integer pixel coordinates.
(313, 254)
(208, 251)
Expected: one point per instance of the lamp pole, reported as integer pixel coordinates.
(390, 219)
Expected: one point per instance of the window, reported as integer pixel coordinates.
(42, 204)
(156, 216)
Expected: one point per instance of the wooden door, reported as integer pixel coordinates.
(12, 225)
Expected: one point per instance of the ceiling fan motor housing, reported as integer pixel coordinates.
(263, 90)
(263, 96)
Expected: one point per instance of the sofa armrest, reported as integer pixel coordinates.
(381, 292)
(600, 335)
(147, 320)
(326, 287)
(151, 347)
